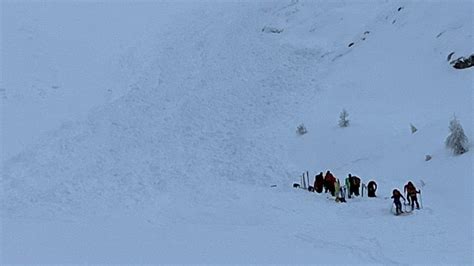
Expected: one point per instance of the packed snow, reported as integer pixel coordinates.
(166, 132)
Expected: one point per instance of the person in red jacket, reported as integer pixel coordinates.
(329, 180)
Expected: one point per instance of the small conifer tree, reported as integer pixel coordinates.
(301, 129)
(457, 140)
(343, 121)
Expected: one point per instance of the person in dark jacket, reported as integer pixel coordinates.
(354, 185)
(371, 188)
(319, 182)
(411, 192)
(396, 195)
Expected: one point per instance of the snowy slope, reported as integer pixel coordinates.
(62, 59)
(185, 158)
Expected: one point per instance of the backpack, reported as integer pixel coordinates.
(356, 181)
(411, 190)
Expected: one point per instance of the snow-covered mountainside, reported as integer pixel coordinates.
(166, 132)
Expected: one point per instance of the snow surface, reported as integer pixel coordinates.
(154, 132)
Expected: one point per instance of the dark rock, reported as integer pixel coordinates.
(463, 62)
(271, 30)
(449, 56)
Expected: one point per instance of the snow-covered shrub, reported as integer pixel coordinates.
(457, 140)
(301, 129)
(343, 121)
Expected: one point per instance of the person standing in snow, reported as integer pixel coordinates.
(356, 185)
(348, 185)
(371, 188)
(411, 192)
(326, 182)
(329, 180)
(354, 182)
(396, 195)
(319, 182)
(337, 186)
(338, 191)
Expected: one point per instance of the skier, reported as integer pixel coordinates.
(318, 182)
(371, 188)
(411, 192)
(396, 195)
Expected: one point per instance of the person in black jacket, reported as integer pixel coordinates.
(319, 182)
(396, 195)
(371, 188)
(354, 185)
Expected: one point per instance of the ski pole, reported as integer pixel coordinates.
(305, 184)
(304, 181)
(307, 177)
(421, 201)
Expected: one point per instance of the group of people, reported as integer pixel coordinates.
(410, 191)
(328, 182)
